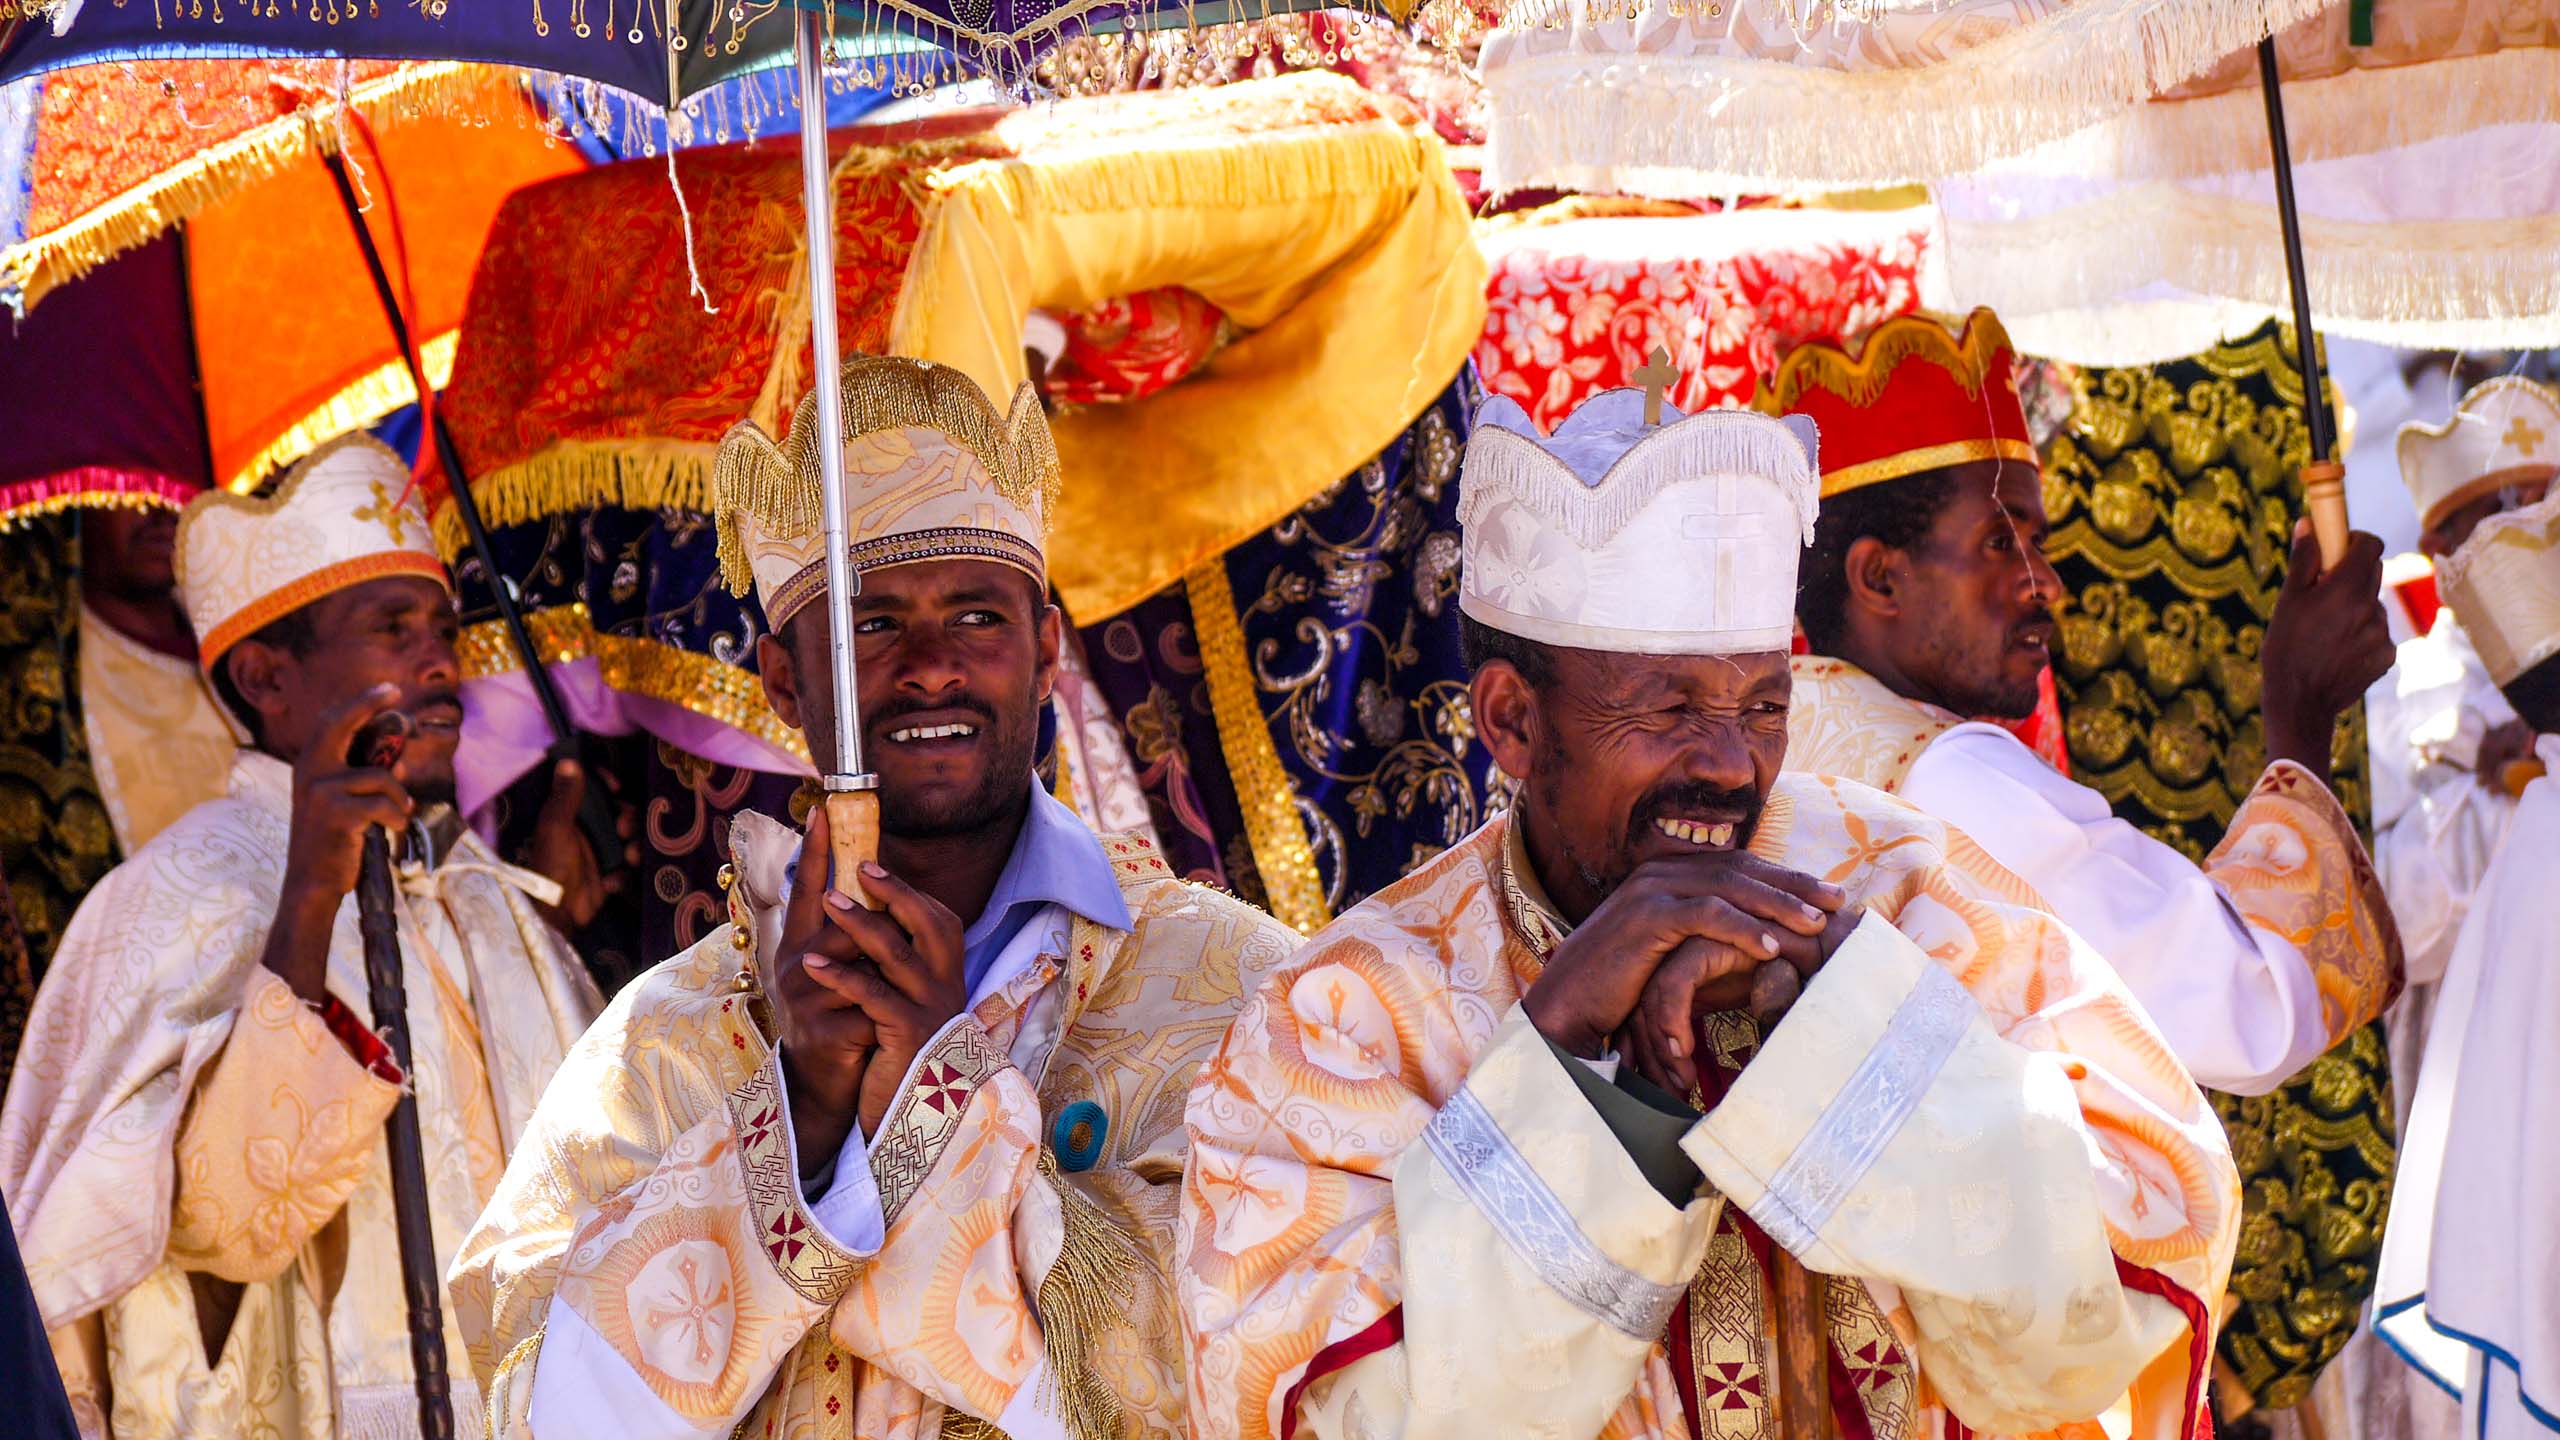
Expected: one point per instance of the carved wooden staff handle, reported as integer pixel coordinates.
(853, 839)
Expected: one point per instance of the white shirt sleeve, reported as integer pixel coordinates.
(2238, 1004)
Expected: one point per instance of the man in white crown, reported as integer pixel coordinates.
(2443, 738)
(2471, 1259)
(192, 1144)
(1450, 1175)
(842, 1173)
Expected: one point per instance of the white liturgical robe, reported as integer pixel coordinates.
(2471, 1259)
(2251, 964)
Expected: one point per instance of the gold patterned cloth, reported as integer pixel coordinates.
(1403, 1217)
(183, 1135)
(650, 1259)
(157, 743)
(2252, 963)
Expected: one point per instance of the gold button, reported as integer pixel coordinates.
(740, 938)
(728, 876)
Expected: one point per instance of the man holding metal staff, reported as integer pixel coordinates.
(897, 1151)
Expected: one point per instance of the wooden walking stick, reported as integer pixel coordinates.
(422, 1279)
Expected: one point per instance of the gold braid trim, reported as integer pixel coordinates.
(356, 407)
(198, 183)
(495, 1395)
(1272, 827)
(1861, 379)
(1092, 1287)
(778, 486)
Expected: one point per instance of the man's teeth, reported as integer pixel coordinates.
(1717, 835)
(932, 732)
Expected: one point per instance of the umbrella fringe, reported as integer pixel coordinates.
(1681, 126)
(579, 475)
(31, 269)
(356, 407)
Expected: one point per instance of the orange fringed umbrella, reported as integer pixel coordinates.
(289, 337)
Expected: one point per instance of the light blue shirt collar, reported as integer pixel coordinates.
(1056, 860)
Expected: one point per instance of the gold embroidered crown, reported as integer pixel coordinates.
(932, 472)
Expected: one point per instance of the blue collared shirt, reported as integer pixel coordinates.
(1056, 860)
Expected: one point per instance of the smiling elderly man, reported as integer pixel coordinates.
(1450, 1175)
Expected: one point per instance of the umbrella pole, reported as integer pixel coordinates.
(596, 817)
(853, 796)
(2324, 485)
(465, 504)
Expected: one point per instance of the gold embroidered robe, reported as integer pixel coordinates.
(1403, 1217)
(2253, 964)
(182, 1134)
(653, 1246)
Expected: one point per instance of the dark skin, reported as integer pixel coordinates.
(1963, 619)
(859, 992)
(2504, 744)
(1643, 781)
(128, 577)
(385, 644)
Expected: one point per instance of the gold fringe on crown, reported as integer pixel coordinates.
(1860, 379)
(779, 487)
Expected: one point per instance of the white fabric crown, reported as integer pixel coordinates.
(1673, 539)
(2503, 433)
(2504, 585)
(344, 515)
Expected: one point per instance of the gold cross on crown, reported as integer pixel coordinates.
(1657, 375)
(2523, 436)
(394, 517)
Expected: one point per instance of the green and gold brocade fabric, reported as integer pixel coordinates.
(2172, 491)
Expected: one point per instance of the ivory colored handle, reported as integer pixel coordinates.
(853, 839)
(2324, 495)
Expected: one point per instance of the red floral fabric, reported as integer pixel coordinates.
(1577, 306)
(1133, 346)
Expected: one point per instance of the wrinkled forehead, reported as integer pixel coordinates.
(1612, 678)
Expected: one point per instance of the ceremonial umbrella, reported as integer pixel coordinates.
(261, 304)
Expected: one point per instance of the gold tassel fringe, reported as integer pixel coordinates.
(1086, 1294)
(576, 475)
(355, 408)
(58, 256)
(634, 665)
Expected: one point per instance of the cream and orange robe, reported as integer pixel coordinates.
(2253, 964)
(651, 1266)
(182, 1131)
(157, 740)
(1403, 1218)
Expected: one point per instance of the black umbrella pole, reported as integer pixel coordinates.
(595, 815)
(2324, 487)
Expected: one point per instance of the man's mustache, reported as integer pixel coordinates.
(1689, 799)
(896, 710)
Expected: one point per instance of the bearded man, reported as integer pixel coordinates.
(846, 1172)
(1928, 606)
(192, 1145)
(1449, 1174)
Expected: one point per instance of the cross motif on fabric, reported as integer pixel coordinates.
(2522, 435)
(1657, 375)
(390, 512)
(1732, 535)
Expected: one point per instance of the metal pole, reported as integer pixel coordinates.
(2315, 405)
(817, 200)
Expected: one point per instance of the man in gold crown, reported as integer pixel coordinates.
(1450, 1175)
(1927, 604)
(840, 1172)
(2471, 1260)
(192, 1144)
